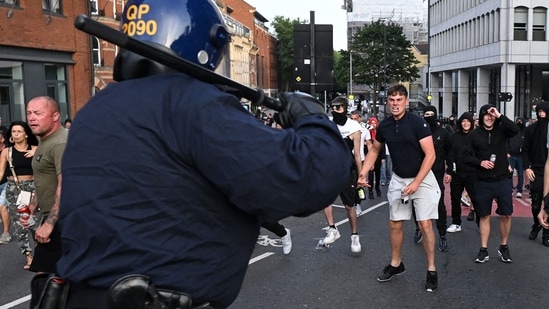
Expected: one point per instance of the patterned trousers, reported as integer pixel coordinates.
(22, 235)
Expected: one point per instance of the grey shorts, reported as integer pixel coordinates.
(424, 201)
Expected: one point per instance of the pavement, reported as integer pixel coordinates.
(315, 277)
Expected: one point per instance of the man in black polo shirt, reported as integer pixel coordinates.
(413, 186)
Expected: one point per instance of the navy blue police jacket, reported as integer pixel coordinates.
(170, 177)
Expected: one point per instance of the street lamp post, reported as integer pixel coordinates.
(385, 20)
(384, 60)
(350, 72)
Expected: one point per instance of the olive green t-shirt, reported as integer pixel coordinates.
(46, 165)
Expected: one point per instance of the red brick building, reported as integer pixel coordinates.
(107, 12)
(41, 53)
(264, 62)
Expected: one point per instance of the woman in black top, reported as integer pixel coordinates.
(22, 144)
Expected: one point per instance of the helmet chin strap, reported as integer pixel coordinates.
(129, 65)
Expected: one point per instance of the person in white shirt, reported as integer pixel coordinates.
(366, 141)
(351, 134)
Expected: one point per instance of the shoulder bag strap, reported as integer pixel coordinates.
(10, 159)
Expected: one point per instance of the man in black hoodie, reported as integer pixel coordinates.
(463, 175)
(443, 151)
(534, 154)
(486, 150)
(514, 147)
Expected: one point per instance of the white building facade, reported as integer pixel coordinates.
(480, 48)
(410, 14)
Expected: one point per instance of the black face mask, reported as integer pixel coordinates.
(339, 118)
(520, 125)
(431, 121)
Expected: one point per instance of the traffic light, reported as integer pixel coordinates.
(501, 97)
(505, 96)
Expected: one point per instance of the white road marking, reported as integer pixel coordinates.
(365, 211)
(523, 202)
(16, 302)
(258, 258)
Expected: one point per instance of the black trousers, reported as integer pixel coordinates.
(456, 190)
(275, 227)
(536, 193)
(375, 175)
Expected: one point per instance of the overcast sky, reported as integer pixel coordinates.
(327, 12)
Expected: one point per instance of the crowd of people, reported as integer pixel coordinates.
(419, 156)
(476, 156)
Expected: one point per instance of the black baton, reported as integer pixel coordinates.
(93, 27)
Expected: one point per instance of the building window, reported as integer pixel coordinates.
(539, 24)
(96, 52)
(11, 91)
(12, 3)
(521, 22)
(94, 7)
(57, 86)
(52, 6)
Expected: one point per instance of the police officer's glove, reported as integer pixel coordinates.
(296, 104)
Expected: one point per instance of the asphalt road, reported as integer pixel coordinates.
(337, 278)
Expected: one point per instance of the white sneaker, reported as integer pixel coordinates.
(358, 209)
(355, 244)
(287, 242)
(519, 195)
(332, 234)
(465, 201)
(453, 228)
(5, 238)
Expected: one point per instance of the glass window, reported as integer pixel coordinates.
(539, 24)
(10, 2)
(520, 24)
(96, 52)
(57, 87)
(53, 6)
(94, 7)
(12, 105)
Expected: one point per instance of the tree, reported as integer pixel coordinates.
(284, 31)
(382, 55)
(341, 71)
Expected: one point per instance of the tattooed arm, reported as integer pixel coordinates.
(44, 231)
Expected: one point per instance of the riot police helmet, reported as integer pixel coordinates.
(191, 29)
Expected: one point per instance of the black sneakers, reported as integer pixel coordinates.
(418, 237)
(482, 256)
(504, 254)
(431, 282)
(442, 243)
(545, 237)
(534, 232)
(389, 271)
(471, 216)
